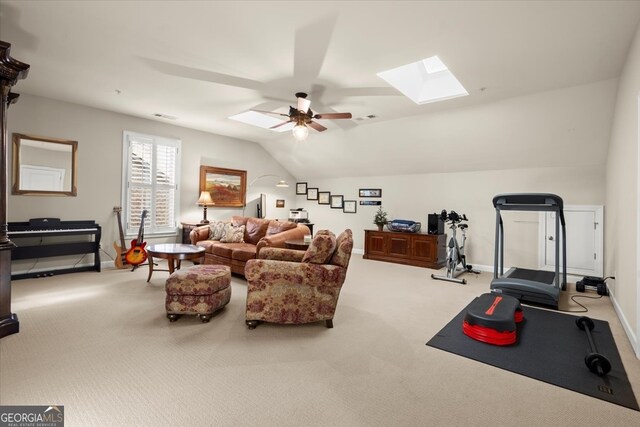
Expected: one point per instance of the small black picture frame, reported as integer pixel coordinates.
(350, 206)
(370, 192)
(371, 202)
(312, 193)
(337, 201)
(301, 188)
(324, 197)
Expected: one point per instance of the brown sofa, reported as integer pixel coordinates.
(259, 233)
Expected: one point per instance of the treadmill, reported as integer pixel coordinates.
(536, 286)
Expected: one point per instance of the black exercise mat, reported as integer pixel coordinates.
(550, 348)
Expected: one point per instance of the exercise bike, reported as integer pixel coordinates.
(455, 252)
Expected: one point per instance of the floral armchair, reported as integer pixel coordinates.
(290, 286)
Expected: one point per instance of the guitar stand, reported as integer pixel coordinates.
(140, 265)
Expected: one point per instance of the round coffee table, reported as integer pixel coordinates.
(173, 252)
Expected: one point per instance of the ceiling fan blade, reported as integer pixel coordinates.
(317, 126)
(203, 75)
(280, 124)
(303, 105)
(368, 91)
(269, 112)
(310, 47)
(333, 116)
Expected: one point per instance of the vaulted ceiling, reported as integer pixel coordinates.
(523, 64)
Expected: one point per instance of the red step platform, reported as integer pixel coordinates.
(492, 319)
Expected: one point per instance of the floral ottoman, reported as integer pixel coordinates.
(201, 290)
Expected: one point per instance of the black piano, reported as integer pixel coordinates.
(89, 231)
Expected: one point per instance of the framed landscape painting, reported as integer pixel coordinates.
(228, 187)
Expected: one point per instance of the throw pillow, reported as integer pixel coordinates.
(216, 229)
(233, 234)
(321, 248)
(255, 230)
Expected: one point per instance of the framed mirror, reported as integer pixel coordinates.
(44, 166)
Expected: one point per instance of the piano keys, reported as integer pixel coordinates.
(48, 230)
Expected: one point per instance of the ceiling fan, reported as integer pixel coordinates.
(303, 117)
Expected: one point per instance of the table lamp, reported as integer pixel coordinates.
(204, 201)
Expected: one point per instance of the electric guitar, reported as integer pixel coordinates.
(137, 255)
(120, 260)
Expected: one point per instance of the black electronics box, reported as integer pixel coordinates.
(435, 225)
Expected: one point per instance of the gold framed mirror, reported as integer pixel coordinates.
(44, 166)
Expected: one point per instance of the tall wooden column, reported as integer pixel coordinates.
(11, 71)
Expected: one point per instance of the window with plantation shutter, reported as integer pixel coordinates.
(151, 183)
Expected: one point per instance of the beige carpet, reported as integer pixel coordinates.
(100, 344)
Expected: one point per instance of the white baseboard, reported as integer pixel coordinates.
(480, 267)
(625, 325)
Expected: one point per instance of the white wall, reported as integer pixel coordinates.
(413, 197)
(621, 246)
(99, 136)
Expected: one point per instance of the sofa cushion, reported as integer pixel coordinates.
(216, 228)
(239, 220)
(223, 250)
(321, 248)
(244, 253)
(233, 234)
(276, 227)
(255, 230)
(226, 250)
(207, 245)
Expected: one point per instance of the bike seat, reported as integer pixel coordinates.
(463, 226)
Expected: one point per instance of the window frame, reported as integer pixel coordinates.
(149, 227)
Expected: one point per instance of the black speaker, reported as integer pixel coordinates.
(435, 225)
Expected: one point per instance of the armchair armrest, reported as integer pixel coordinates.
(262, 273)
(199, 233)
(280, 254)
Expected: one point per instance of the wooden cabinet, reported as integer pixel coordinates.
(419, 249)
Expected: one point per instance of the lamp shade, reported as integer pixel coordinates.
(205, 199)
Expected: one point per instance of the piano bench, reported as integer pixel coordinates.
(201, 290)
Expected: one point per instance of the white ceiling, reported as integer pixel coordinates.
(205, 61)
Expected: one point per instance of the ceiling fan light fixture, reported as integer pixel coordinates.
(300, 132)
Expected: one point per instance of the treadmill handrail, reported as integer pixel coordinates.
(538, 202)
(513, 200)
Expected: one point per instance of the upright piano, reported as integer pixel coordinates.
(48, 229)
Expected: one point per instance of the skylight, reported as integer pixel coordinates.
(428, 80)
(262, 120)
